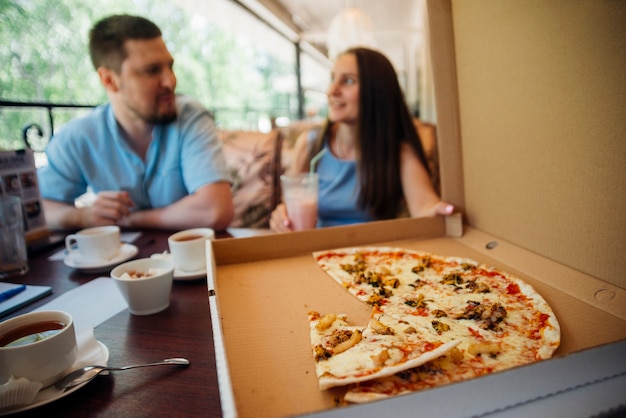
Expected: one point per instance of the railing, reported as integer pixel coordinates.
(36, 130)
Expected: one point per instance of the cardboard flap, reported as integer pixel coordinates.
(587, 383)
(237, 250)
(454, 225)
(593, 291)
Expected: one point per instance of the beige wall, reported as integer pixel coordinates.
(541, 114)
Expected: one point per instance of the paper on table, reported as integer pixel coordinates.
(124, 237)
(90, 304)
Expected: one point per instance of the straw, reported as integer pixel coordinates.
(315, 159)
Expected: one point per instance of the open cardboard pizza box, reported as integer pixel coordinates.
(264, 287)
(541, 197)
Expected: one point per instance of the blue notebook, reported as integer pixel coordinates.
(29, 294)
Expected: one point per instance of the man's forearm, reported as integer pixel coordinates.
(62, 216)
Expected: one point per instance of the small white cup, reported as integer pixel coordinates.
(145, 284)
(98, 243)
(45, 360)
(188, 248)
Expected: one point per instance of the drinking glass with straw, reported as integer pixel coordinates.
(300, 194)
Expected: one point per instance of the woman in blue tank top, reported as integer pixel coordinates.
(368, 155)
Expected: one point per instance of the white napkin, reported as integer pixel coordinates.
(89, 351)
(165, 255)
(90, 304)
(17, 392)
(248, 232)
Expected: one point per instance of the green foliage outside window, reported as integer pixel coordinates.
(44, 58)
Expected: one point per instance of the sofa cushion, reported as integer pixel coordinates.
(253, 159)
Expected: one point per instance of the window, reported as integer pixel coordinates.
(230, 61)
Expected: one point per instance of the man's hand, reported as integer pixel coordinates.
(109, 208)
(210, 206)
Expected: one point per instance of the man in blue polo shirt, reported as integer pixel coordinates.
(152, 157)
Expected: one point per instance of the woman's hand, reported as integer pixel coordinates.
(443, 208)
(279, 221)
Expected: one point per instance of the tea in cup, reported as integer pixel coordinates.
(38, 346)
(300, 196)
(188, 248)
(98, 243)
(145, 284)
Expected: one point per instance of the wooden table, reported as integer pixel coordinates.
(182, 330)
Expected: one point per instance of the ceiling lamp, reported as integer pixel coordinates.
(350, 28)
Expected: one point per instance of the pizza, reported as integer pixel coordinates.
(451, 317)
(348, 354)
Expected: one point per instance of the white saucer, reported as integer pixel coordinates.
(178, 273)
(51, 394)
(189, 275)
(127, 251)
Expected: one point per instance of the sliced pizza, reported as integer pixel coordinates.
(346, 354)
(495, 320)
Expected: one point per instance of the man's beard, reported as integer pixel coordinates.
(163, 119)
(159, 119)
(155, 117)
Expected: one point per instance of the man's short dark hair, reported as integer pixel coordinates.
(107, 37)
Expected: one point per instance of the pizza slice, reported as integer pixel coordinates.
(374, 274)
(448, 368)
(346, 354)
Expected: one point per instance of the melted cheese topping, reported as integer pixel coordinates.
(500, 320)
(375, 350)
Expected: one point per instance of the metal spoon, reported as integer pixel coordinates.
(85, 374)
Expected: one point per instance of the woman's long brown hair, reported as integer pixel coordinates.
(385, 122)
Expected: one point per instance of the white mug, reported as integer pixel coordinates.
(45, 360)
(188, 248)
(98, 243)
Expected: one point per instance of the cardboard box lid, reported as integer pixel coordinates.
(531, 125)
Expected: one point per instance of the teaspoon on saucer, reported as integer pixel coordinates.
(87, 373)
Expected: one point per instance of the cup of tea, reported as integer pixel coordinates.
(13, 255)
(38, 346)
(188, 248)
(300, 194)
(145, 284)
(98, 243)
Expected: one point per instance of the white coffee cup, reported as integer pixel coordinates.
(98, 243)
(145, 284)
(188, 248)
(44, 360)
